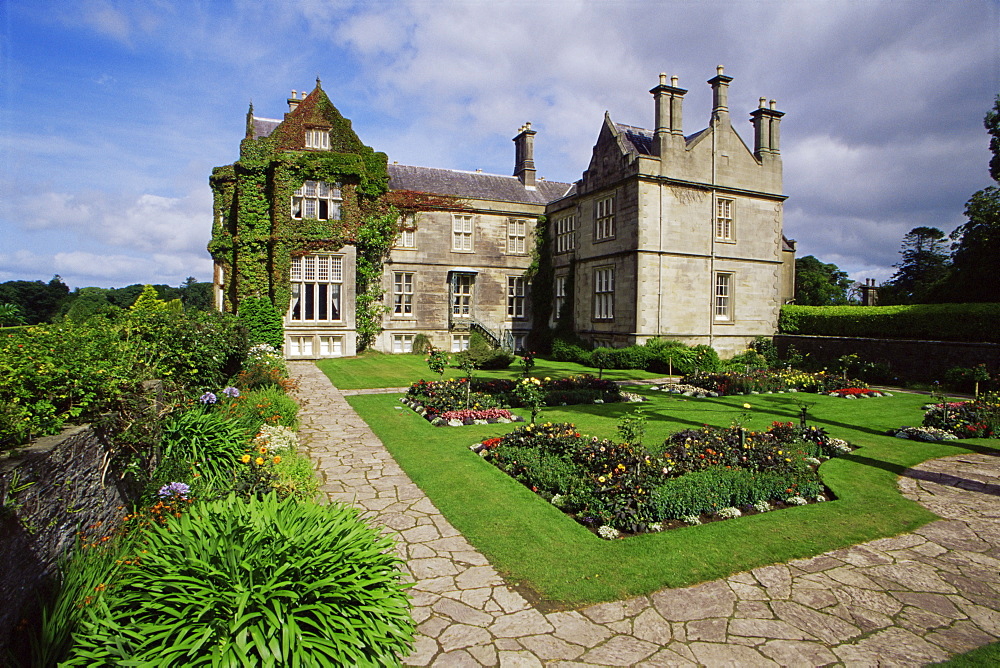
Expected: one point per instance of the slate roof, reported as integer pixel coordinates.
(473, 185)
(263, 127)
(640, 140)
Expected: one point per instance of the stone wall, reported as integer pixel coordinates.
(909, 359)
(66, 493)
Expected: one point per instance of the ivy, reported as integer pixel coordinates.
(374, 241)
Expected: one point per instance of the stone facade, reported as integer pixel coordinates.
(665, 235)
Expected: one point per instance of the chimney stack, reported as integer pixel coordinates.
(720, 96)
(293, 102)
(669, 127)
(524, 155)
(766, 121)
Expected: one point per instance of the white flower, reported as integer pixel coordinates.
(796, 501)
(813, 461)
(820, 498)
(693, 520)
(762, 506)
(608, 532)
(729, 513)
(655, 526)
(559, 500)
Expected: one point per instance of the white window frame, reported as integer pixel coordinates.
(604, 218)
(402, 294)
(517, 236)
(560, 295)
(402, 343)
(516, 297)
(724, 207)
(459, 342)
(331, 346)
(311, 198)
(318, 138)
(604, 293)
(407, 232)
(722, 299)
(461, 296)
(300, 345)
(462, 231)
(317, 288)
(566, 234)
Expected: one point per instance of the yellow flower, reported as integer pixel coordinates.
(747, 406)
(262, 450)
(245, 459)
(277, 459)
(547, 379)
(601, 479)
(260, 461)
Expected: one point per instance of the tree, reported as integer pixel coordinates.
(196, 295)
(976, 244)
(819, 284)
(924, 267)
(39, 302)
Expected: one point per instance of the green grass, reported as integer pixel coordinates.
(983, 657)
(531, 542)
(373, 369)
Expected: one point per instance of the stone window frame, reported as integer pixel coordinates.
(402, 294)
(316, 283)
(407, 237)
(559, 289)
(604, 218)
(404, 341)
(318, 139)
(309, 200)
(604, 293)
(565, 233)
(459, 342)
(517, 297)
(463, 230)
(725, 219)
(517, 236)
(723, 296)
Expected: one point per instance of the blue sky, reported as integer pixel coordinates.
(113, 113)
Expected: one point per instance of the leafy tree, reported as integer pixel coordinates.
(924, 267)
(88, 302)
(10, 314)
(148, 301)
(976, 244)
(196, 295)
(818, 283)
(38, 301)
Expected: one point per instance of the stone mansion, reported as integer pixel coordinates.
(664, 235)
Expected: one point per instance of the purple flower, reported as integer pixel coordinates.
(208, 398)
(174, 489)
(231, 392)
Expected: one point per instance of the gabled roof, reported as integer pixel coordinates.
(640, 140)
(263, 127)
(473, 185)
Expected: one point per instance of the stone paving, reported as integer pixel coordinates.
(907, 600)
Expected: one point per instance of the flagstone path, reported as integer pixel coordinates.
(903, 601)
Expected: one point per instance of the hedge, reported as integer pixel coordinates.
(935, 322)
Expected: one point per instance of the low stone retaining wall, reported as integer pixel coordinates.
(49, 492)
(909, 359)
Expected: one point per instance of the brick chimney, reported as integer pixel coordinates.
(524, 155)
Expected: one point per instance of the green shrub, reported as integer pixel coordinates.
(201, 449)
(714, 488)
(497, 359)
(630, 357)
(570, 351)
(421, 344)
(265, 583)
(946, 322)
(264, 323)
(251, 410)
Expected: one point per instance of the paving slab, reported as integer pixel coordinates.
(904, 600)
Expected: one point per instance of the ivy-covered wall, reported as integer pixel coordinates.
(254, 236)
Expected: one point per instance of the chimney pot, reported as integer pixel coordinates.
(663, 78)
(294, 93)
(763, 103)
(774, 104)
(719, 70)
(673, 80)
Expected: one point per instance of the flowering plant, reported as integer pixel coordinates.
(477, 414)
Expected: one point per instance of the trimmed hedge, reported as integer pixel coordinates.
(936, 322)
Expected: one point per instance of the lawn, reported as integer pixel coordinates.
(534, 544)
(373, 369)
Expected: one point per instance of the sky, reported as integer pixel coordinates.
(113, 113)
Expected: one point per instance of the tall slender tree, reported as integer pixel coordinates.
(976, 246)
(819, 283)
(924, 267)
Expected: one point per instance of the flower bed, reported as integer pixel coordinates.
(979, 418)
(764, 381)
(700, 471)
(457, 401)
(857, 393)
(929, 434)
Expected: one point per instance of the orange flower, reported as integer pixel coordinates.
(277, 459)
(260, 461)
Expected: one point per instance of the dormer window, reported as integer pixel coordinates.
(317, 200)
(318, 138)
